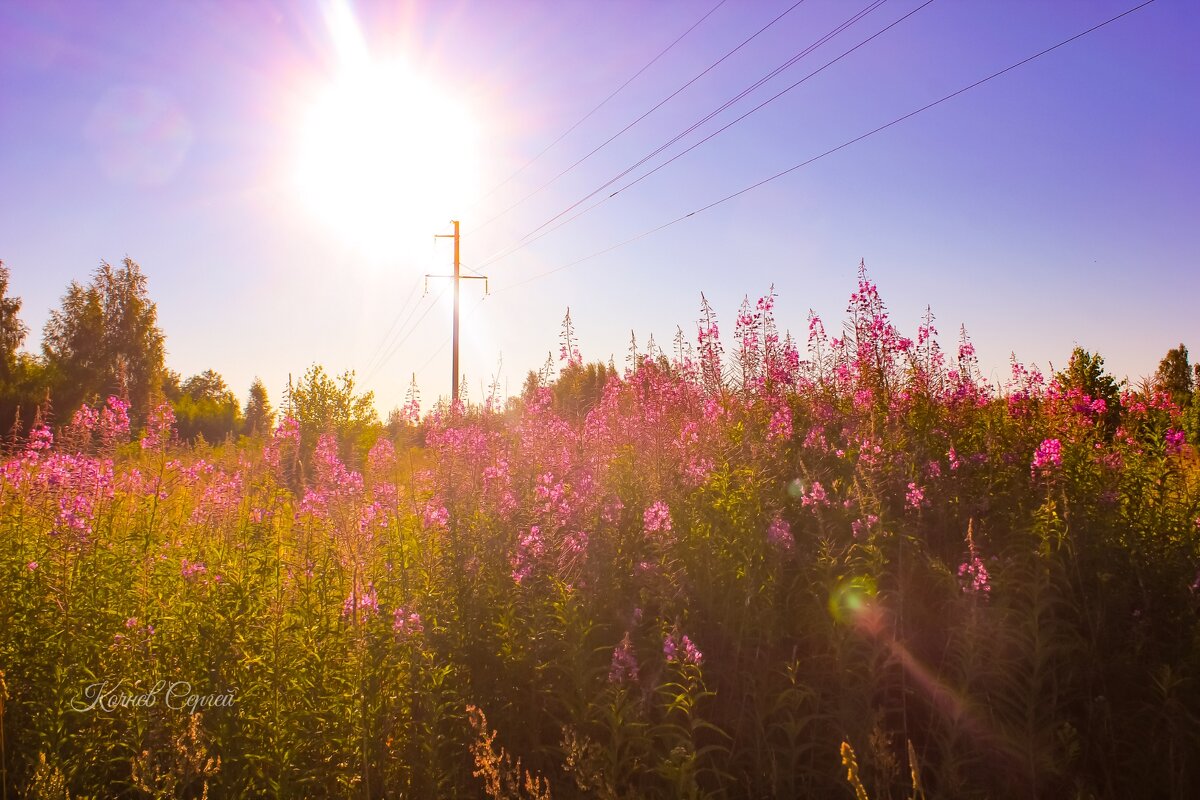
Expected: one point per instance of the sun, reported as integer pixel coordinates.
(385, 158)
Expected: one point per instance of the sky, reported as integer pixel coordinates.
(279, 171)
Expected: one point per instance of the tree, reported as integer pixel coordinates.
(12, 330)
(23, 378)
(1085, 372)
(1174, 376)
(259, 416)
(105, 340)
(322, 404)
(207, 408)
(172, 385)
(208, 384)
(579, 388)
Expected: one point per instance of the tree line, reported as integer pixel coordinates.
(104, 340)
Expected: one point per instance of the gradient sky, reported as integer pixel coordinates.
(1056, 205)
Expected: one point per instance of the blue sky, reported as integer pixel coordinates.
(1056, 205)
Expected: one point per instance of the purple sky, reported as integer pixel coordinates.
(1056, 205)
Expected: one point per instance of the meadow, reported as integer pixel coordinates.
(848, 567)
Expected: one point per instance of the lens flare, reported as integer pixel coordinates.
(139, 135)
(851, 600)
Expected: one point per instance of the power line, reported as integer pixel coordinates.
(394, 326)
(396, 346)
(588, 115)
(645, 114)
(531, 238)
(446, 341)
(397, 325)
(831, 151)
(731, 101)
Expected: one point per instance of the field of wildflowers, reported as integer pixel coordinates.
(861, 571)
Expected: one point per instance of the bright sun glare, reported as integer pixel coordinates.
(385, 158)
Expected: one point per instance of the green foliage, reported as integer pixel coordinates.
(24, 394)
(1174, 376)
(579, 388)
(12, 330)
(1085, 372)
(23, 378)
(325, 404)
(105, 340)
(206, 408)
(1181, 381)
(260, 418)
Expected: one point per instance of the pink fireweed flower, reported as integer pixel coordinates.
(575, 544)
(1047, 455)
(915, 497)
(285, 438)
(698, 469)
(220, 499)
(530, 549)
(333, 477)
(288, 430)
(84, 419)
(159, 428)
(869, 453)
(952, 457)
(972, 572)
(1175, 439)
(31, 566)
(132, 622)
(40, 438)
(190, 569)
(680, 650)
(407, 623)
(657, 517)
(114, 421)
(816, 496)
(552, 496)
(436, 516)
(366, 602)
(864, 525)
(815, 439)
(75, 513)
(624, 666)
(780, 426)
(779, 534)
(712, 410)
(975, 575)
(381, 459)
(371, 517)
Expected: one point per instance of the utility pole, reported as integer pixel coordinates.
(457, 276)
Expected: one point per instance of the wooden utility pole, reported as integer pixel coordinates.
(457, 276)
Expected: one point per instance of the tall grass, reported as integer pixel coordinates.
(699, 583)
